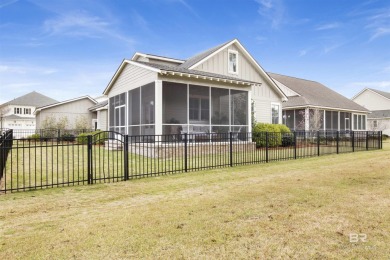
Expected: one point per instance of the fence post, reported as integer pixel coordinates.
(126, 157)
(185, 152)
(59, 135)
(295, 144)
(353, 141)
(89, 139)
(266, 146)
(366, 140)
(231, 148)
(318, 143)
(381, 140)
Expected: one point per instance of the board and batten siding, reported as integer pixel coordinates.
(72, 111)
(130, 78)
(102, 116)
(372, 101)
(263, 96)
(219, 64)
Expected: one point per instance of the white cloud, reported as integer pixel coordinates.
(272, 10)
(328, 26)
(379, 23)
(7, 2)
(82, 24)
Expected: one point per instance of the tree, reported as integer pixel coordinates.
(3, 111)
(315, 118)
(82, 123)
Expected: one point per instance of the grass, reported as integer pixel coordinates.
(33, 165)
(303, 209)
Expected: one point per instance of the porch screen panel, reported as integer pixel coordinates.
(174, 109)
(363, 122)
(328, 120)
(289, 119)
(147, 109)
(342, 121)
(348, 121)
(299, 119)
(199, 105)
(134, 107)
(239, 107)
(355, 122)
(111, 114)
(220, 110)
(335, 120)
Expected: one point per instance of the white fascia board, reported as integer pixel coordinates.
(64, 102)
(358, 94)
(328, 108)
(156, 57)
(119, 70)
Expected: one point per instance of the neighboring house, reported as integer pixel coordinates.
(208, 93)
(73, 113)
(313, 106)
(101, 111)
(379, 103)
(18, 114)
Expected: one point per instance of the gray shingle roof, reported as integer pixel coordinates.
(193, 60)
(195, 72)
(380, 114)
(314, 94)
(31, 99)
(383, 93)
(98, 105)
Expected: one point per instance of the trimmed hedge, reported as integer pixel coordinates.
(98, 137)
(275, 135)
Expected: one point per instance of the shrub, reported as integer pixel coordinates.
(385, 137)
(68, 138)
(98, 137)
(34, 137)
(284, 129)
(259, 135)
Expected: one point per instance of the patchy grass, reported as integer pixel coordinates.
(297, 209)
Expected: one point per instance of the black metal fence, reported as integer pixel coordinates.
(110, 156)
(46, 133)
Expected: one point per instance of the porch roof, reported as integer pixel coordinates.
(165, 69)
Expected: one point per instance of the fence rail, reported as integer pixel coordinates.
(44, 162)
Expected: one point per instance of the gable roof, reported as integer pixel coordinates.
(379, 92)
(39, 109)
(34, 99)
(379, 114)
(99, 106)
(191, 62)
(315, 94)
(189, 65)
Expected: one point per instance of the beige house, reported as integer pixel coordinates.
(208, 93)
(70, 113)
(378, 102)
(311, 106)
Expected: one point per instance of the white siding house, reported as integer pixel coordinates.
(209, 93)
(378, 102)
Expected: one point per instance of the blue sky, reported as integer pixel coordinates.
(65, 49)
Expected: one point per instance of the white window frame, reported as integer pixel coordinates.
(359, 123)
(236, 53)
(279, 112)
(375, 123)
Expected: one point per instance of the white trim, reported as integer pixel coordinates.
(329, 108)
(121, 67)
(373, 91)
(228, 63)
(156, 57)
(246, 53)
(64, 102)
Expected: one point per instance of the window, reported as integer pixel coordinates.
(275, 113)
(199, 109)
(233, 61)
(27, 111)
(359, 122)
(375, 123)
(17, 110)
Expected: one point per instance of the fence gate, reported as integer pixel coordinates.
(107, 157)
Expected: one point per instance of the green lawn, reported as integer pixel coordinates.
(39, 165)
(302, 209)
